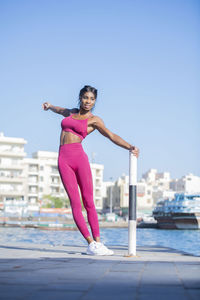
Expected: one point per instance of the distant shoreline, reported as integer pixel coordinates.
(66, 224)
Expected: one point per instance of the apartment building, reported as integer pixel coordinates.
(97, 176)
(119, 191)
(158, 180)
(162, 186)
(156, 185)
(42, 177)
(27, 180)
(186, 184)
(12, 180)
(144, 195)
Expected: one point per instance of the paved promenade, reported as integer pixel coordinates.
(30, 271)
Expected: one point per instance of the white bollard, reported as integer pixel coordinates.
(132, 223)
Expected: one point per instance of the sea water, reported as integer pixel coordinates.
(183, 240)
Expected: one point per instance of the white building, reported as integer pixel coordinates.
(150, 176)
(120, 194)
(189, 184)
(29, 179)
(164, 187)
(160, 180)
(107, 194)
(116, 195)
(144, 196)
(156, 184)
(12, 180)
(42, 177)
(98, 190)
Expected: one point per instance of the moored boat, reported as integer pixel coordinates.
(181, 212)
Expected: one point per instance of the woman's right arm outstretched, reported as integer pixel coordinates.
(57, 109)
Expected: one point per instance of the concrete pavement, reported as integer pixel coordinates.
(29, 271)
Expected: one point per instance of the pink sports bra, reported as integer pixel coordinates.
(78, 127)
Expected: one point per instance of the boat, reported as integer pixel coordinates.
(147, 221)
(180, 212)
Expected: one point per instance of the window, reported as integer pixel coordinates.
(54, 180)
(54, 169)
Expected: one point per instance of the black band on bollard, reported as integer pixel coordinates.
(132, 202)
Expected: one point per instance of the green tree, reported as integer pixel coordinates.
(56, 202)
(49, 201)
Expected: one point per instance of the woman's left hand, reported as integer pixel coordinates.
(134, 150)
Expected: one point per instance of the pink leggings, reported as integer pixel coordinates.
(74, 169)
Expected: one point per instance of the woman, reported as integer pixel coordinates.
(73, 163)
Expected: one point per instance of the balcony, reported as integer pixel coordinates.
(54, 184)
(11, 179)
(98, 183)
(33, 171)
(33, 182)
(10, 153)
(56, 194)
(54, 173)
(33, 179)
(98, 173)
(11, 166)
(55, 181)
(98, 189)
(32, 194)
(11, 193)
(97, 197)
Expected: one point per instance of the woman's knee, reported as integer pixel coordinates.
(89, 205)
(76, 205)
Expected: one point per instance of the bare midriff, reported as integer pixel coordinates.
(67, 137)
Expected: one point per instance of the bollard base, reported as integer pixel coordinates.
(130, 255)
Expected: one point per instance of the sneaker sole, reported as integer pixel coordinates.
(103, 254)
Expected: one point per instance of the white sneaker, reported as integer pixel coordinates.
(91, 248)
(97, 248)
(103, 250)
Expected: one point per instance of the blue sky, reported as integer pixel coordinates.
(142, 56)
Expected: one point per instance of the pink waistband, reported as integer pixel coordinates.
(72, 145)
